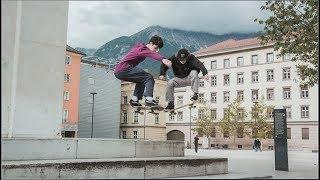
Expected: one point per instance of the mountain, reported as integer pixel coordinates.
(87, 51)
(174, 39)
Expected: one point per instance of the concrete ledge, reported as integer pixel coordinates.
(159, 167)
(84, 148)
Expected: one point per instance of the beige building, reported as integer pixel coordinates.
(137, 126)
(245, 69)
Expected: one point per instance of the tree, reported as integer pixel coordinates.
(293, 27)
(260, 127)
(204, 123)
(233, 120)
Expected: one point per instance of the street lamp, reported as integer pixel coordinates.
(93, 93)
(190, 107)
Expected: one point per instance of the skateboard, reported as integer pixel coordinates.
(172, 111)
(151, 108)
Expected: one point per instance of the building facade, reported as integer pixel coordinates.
(71, 92)
(100, 97)
(250, 71)
(32, 67)
(138, 126)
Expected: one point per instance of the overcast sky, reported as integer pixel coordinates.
(93, 23)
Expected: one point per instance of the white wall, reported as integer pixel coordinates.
(32, 57)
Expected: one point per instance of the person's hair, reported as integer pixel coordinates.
(156, 40)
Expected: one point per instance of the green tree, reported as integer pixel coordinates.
(258, 124)
(293, 27)
(204, 123)
(233, 121)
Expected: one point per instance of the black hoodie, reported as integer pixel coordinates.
(183, 70)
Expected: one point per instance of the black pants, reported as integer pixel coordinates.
(196, 147)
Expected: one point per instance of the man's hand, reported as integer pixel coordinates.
(161, 77)
(206, 77)
(167, 62)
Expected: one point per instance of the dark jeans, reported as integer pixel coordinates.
(196, 147)
(144, 81)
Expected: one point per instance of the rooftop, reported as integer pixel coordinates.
(228, 45)
(71, 49)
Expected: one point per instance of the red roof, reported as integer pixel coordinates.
(228, 44)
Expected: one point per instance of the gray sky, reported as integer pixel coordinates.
(93, 23)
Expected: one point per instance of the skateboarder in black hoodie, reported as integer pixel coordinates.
(186, 68)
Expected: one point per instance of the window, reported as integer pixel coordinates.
(201, 83)
(270, 57)
(135, 117)
(66, 95)
(213, 114)
(226, 96)
(240, 95)
(124, 134)
(270, 112)
(213, 80)
(135, 134)
(67, 60)
(240, 61)
(65, 115)
(288, 133)
(213, 64)
(226, 79)
(255, 95)
(270, 94)
(125, 99)
(225, 110)
(91, 81)
(180, 116)
(226, 134)
(254, 59)
(157, 99)
(255, 76)
(304, 111)
(304, 92)
(125, 117)
(180, 100)
(286, 73)
(240, 78)
(213, 97)
(270, 75)
(171, 117)
(305, 133)
(201, 98)
(200, 113)
(226, 63)
(288, 111)
(286, 93)
(213, 132)
(156, 119)
(287, 57)
(240, 133)
(66, 77)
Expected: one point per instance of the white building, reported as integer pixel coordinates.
(247, 69)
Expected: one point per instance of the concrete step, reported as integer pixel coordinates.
(83, 148)
(133, 168)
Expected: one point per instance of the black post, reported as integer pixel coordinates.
(93, 93)
(280, 139)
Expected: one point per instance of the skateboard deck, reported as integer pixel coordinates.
(151, 108)
(172, 111)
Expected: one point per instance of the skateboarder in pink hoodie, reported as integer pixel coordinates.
(127, 70)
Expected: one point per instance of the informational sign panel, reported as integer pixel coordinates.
(280, 139)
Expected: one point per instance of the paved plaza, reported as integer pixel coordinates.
(250, 164)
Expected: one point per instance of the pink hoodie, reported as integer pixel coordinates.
(137, 54)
